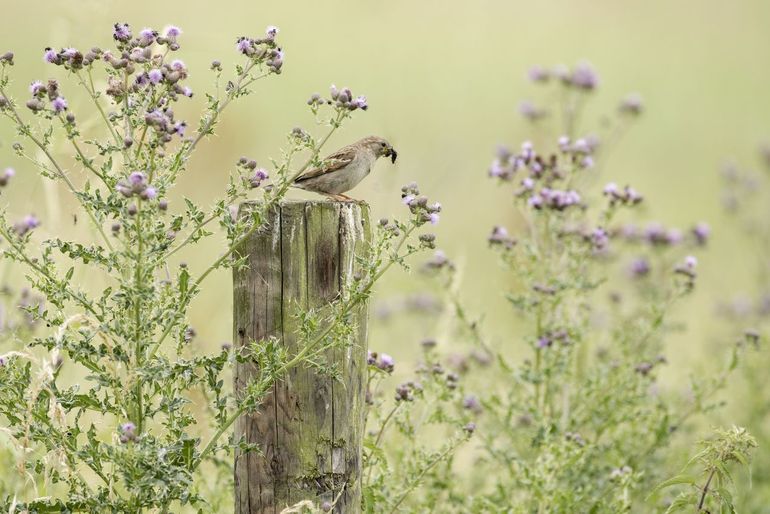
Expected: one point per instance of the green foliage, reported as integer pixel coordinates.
(105, 402)
(715, 493)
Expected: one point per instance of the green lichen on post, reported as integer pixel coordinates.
(311, 426)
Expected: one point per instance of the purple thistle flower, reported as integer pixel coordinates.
(386, 361)
(631, 104)
(544, 342)
(500, 236)
(587, 162)
(149, 193)
(6, 176)
(147, 35)
(408, 199)
(36, 88)
(434, 218)
(50, 56)
(584, 77)
(527, 151)
(687, 268)
(563, 143)
(701, 231)
(498, 169)
(538, 74)
(155, 76)
(260, 174)
(124, 189)
(127, 432)
(360, 103)
(600, 239)
(276, 63)
(180, 127)
(639, 267)
(243, 45)
(611, 189)
(530, 111)
(632, 196)
(122, 32)
(59, 104)
(26, 224)
(674, 236)
(503, 153)
(535, 202)
(581, 146)
(188, 92)
(178, 65)
(271, 31)
(172, 32)
(136, 178)
(471, 403)
(69, 52)
(655, 234)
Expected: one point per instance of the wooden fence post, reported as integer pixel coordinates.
(310, 427)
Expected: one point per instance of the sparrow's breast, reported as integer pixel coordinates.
(347, 178)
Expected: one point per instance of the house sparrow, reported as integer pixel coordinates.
(345, 168)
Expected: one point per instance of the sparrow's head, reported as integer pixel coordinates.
(380, 147)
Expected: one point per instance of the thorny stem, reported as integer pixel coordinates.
(91, 89)
(83, 159)
(443, 455)
(137, 318)
(382, 431)
(706, 490)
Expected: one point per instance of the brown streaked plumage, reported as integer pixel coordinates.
(344, 169)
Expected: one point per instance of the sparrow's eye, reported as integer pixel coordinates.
(382, 145)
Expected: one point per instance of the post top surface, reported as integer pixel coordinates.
(309, 202)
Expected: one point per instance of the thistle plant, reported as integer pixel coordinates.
(581, 421)
(713, 493)
(745, 312)
(106, 402)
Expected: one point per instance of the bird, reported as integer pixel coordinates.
(344, 169)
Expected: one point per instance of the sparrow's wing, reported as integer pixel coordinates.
(334, 162)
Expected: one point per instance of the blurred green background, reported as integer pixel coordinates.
(444, 79)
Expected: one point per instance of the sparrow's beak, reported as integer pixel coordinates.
(393, 155)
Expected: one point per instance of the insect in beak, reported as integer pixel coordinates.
(393, 155)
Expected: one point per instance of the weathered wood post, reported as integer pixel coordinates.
(311, 427)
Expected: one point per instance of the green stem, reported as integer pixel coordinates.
(92, 93)
(706, 490)
(414, 483)
(139, 415)
(379, 435)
